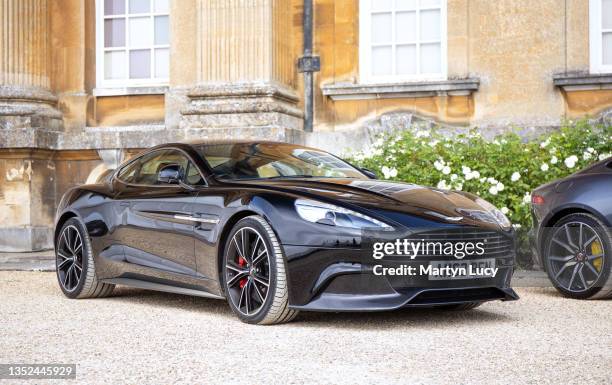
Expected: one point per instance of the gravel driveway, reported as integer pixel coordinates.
(140, 337)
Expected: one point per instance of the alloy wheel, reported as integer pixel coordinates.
(576, 256)
(247, 271)
(69, 259)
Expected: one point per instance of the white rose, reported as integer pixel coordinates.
(453, 177)
(591, 150)
(544, 167)
(475, 174)
(446, 170)
(466, 170)
(527, 198)
(504, 210)
(386, 172)
(586, 155)
(500, 186)
(603, 156)
(442, 185)
(439, 165)
(554, 160)
(459, 187)
(493, 190)
(393, 172)
(570, 162)
(515, 176)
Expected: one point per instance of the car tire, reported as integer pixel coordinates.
(74, 262)
(461, 306)
(584, 275)
(248, 277)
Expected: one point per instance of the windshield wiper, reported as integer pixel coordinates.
(293, 176)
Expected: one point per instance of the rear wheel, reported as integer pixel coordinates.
(75, 268)
(254, 277)
(578, 256)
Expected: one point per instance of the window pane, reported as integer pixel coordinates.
(114, 7)
(114, 33)
(430, 25)
(430, 58)
(607, 48)
(161, 30)
(381, 28)
(140, 6)
(381, 61)
(405, 27)
(114, 65)
(430, 3)
(606, 14)
(405, 4)
(140, 31)
(140, 64)
(162, 60)
(385, 5)
(160, 6)
(405, 56)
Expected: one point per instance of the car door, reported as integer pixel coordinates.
(157, 232)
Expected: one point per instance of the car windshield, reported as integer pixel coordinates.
(273, 161)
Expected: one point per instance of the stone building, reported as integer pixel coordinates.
(86, 83)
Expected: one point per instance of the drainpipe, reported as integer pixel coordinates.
(308, 64)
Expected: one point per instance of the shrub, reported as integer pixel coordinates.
(503, 171)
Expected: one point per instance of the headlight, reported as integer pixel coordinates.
(326, 214)
(500, 217)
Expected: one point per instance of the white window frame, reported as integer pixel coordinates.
(595, 39)
(365, 48)
(101, 82)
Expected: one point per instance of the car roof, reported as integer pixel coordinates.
(198, 142)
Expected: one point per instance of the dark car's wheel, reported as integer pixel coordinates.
(76, 272)
(578, 256)
(254, 277)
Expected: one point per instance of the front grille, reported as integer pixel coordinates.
(496, 244)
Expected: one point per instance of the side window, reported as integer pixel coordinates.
(153, 163)
(128, 172)
(193, 176)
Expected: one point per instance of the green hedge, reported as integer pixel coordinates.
(503, 171)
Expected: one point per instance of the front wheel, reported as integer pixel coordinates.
(74, 263)
(254, 277)
(578, 257)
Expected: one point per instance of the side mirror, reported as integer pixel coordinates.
(169, 174)
(369, 173)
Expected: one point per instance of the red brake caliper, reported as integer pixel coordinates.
(242, 263)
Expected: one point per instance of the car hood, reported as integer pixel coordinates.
(431, 203)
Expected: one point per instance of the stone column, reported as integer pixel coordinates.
(245, 70)
(25, 96)
(28, 121)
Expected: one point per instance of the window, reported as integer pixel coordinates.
(402, 40)
(132, 42)
(600, 20)
(144, 171)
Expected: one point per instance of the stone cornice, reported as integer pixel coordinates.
(583, 82)
(349, 91)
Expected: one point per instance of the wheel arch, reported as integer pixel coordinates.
(229, 225)
(60, 222)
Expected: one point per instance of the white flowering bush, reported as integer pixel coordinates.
(503, 171)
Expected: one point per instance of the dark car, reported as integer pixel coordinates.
(572, 218)
(276, 228)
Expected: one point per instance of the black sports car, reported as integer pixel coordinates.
(572, 231)
(276, 228)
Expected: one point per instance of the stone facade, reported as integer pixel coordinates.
(233, 74)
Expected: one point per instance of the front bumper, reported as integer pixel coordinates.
(342, 279)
